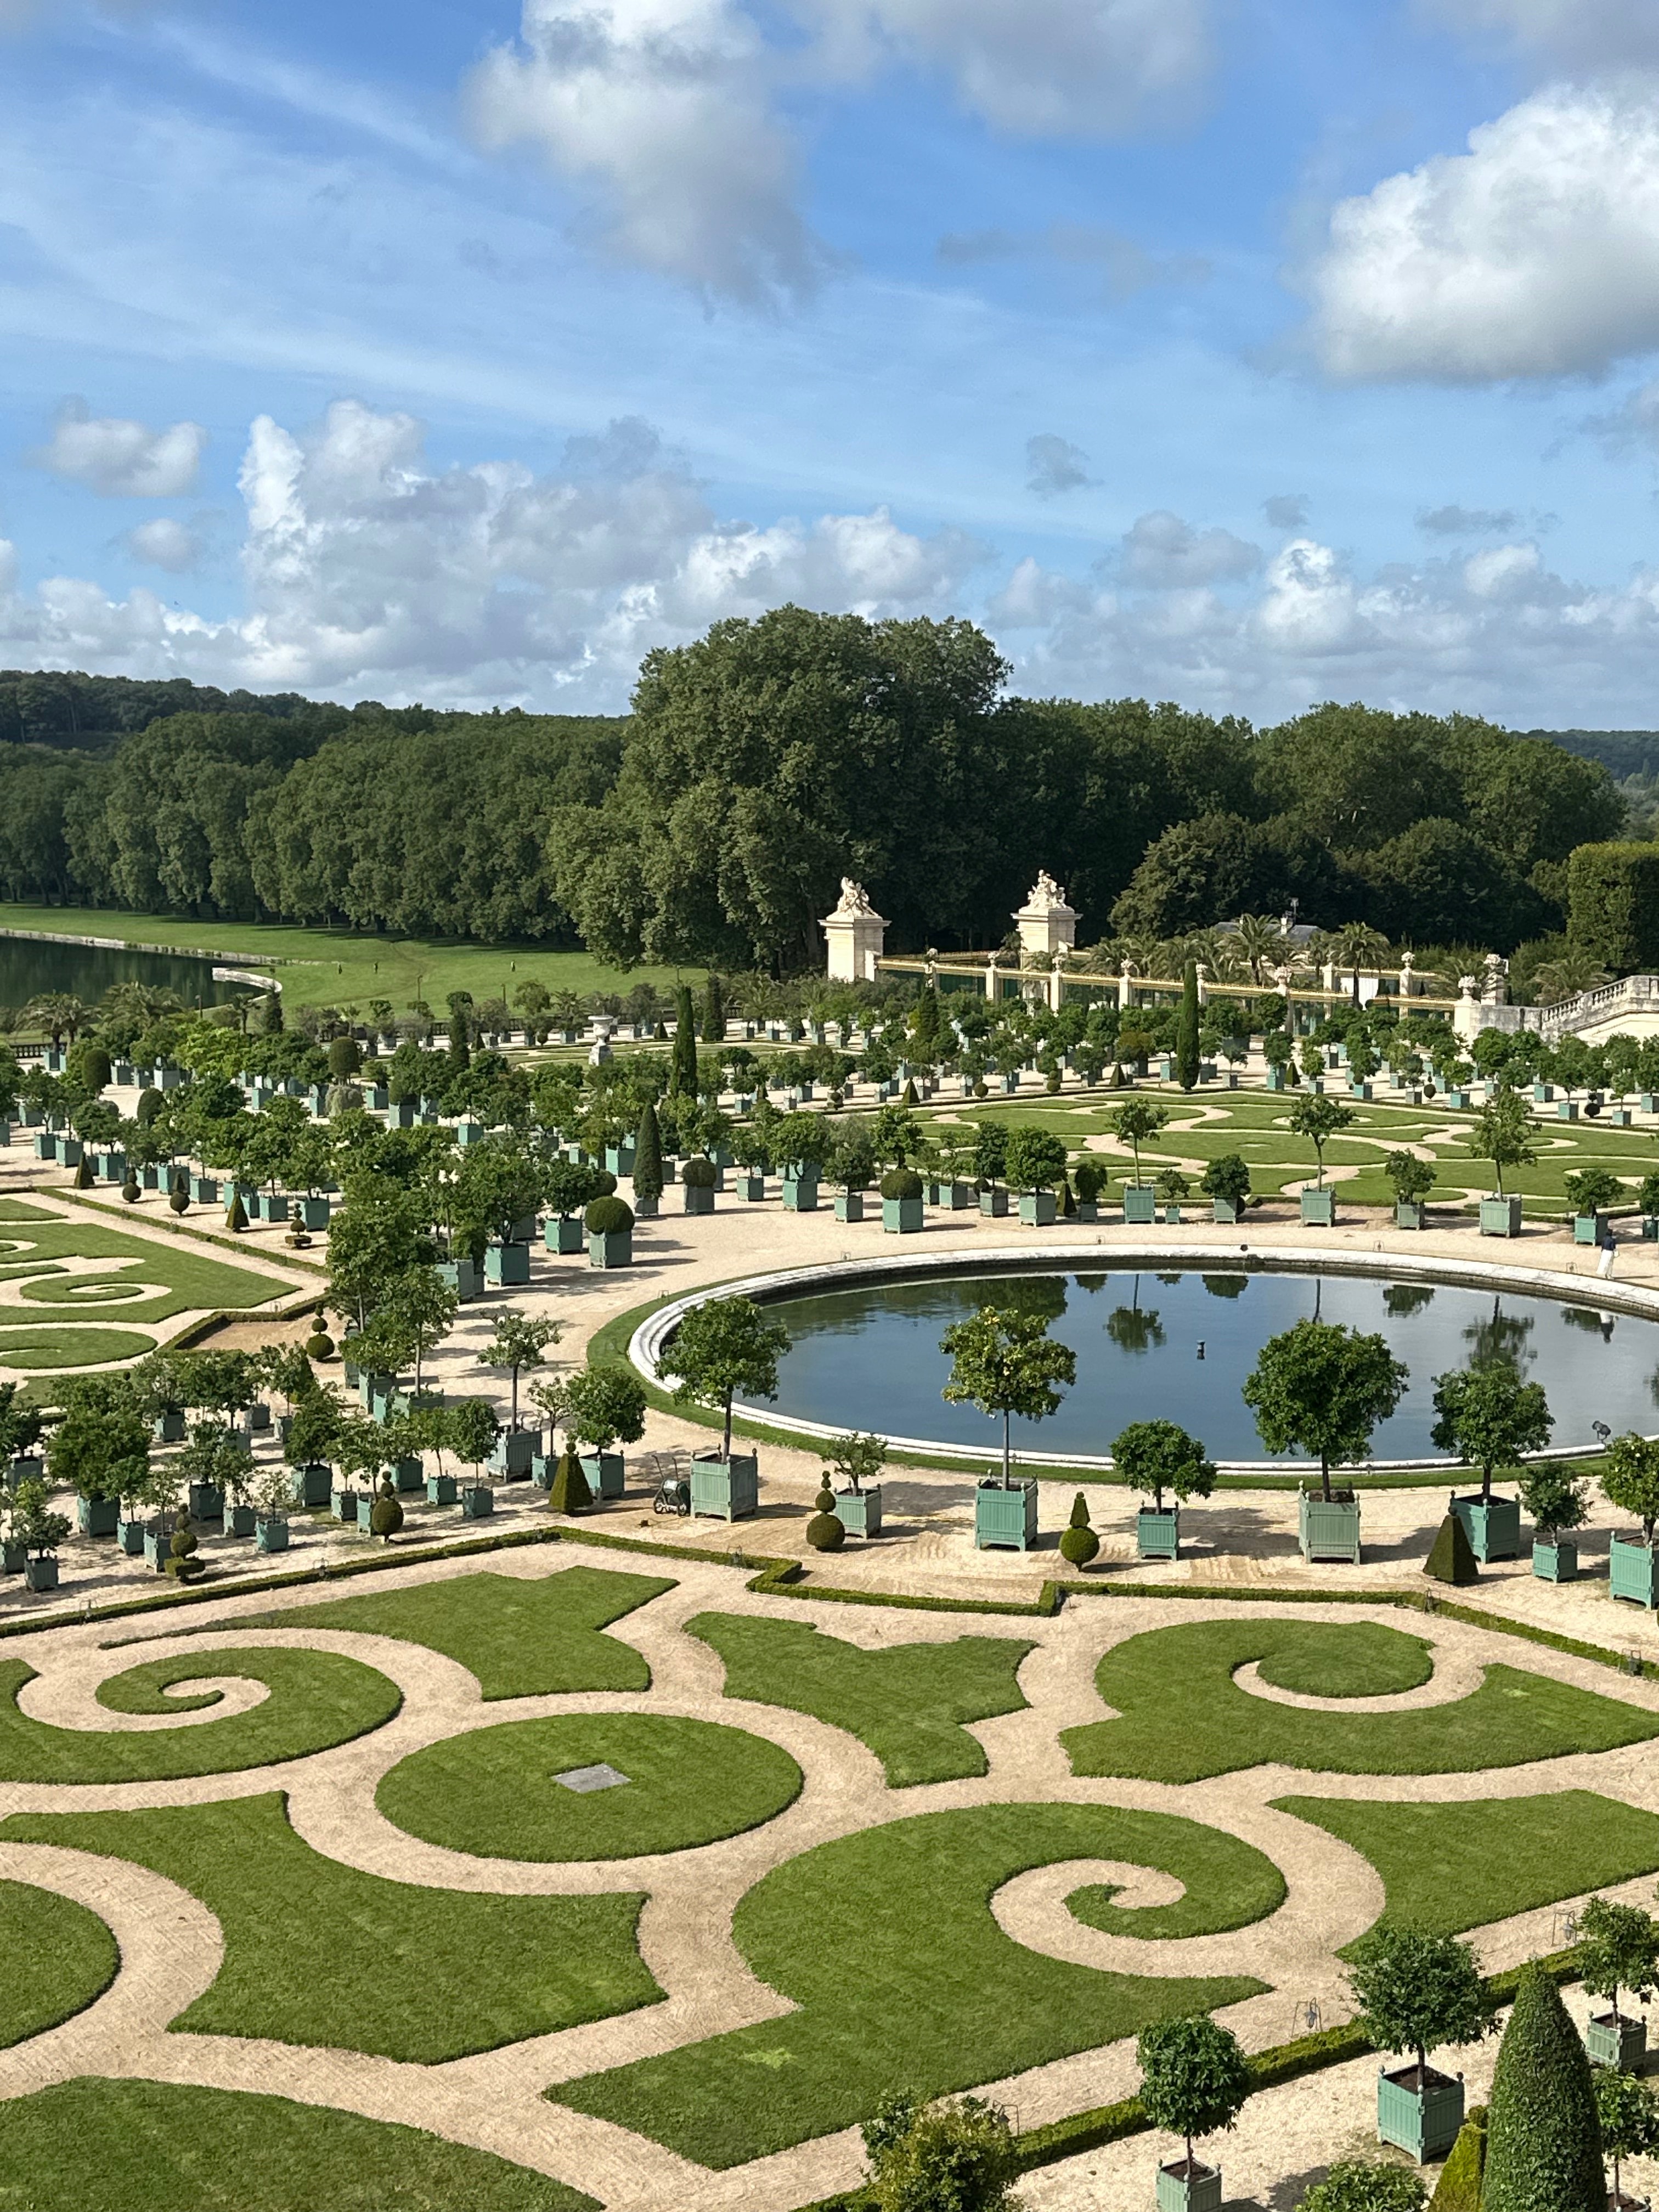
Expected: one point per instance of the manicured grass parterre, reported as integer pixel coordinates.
(38, 1352)
(169, 1278)
(886, 1941)
(88, 2146)
(318, 1953)
(522, 1640)
(493, 1791)
(56, 1957)
(909, 1704)
(1447, 1868)
(317, 1699)
(1183, 1718)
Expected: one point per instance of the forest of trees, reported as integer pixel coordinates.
(760, 764)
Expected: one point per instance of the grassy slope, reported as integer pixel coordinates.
(318, 1953)
(340, 967)
(1513, 1717)
(55, 1958)
(317, 1699)
(886, 1941)
(1449, 1868)
(89, 2145)
(909, 1704)
(522, 1640)
(492, 1790)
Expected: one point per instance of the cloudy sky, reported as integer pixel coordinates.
(1242, 352)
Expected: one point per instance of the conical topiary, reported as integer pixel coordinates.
(1458, 2188)
(84, 1175)
(1543, 2139)
(569, 1492)
(910, 1097)
(386, 1515)
(236, 1212)
(1451, 1556)
(1079, 1543)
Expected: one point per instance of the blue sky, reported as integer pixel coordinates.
(1234, 351)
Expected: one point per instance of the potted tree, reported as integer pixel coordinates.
(41, 1532)
(1322, 1389)
(473, 1429)
(566, 1188)
(91, 1440)
(1559, 1504)
(852, 1164)
(1503, 1134)
(854, 1463)
(1172, 1188)
(1412, 1180)
(1135, 1123)
(1489, 1417)
(22, 1423)
(802, 1143)
(902, 1210)
(1089, 1179)
(1617, 1949)
(1648, 1199)
(517, 1344)
(609, 1225)
(723, 1347)
(1193, 2082)
(991, 1167)
(1318, 1120)
(1589, 1193)
(1153, 1456)
(1628, 2113)
(1226, 1183)
(605, 1405)
(131, 1478)
(271, 1495)
(1415, 1992)
(752, 1149)
(1006, 1363)
(308, 1449)
(1037, 1162)
(1630, 1479)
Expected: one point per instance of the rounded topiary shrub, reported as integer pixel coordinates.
(825, 1532)
(1079, 1543)
(901, 1183)
(319, 1345)
(698, 1173)
(609, 1217)
(387, 1515)
(607, 1182)
(150, 1103)
(1089, 1179)
(129, 1188)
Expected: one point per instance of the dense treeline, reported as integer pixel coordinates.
(760, 764)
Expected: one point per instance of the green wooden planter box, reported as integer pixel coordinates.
(272, 1206)
(1411, 1213)
(800, 1194)
(1493, 1528)
(1542, 1093)
(1590, 1228)
(1360, 1091)
(366, 1511)
(1088, 1209)
(207, 1502)
(240, 1520)
(1139, 1205)
(860, 1511)
(1328, 1528)
(1158, 1534)
(462, 1278)
(407, 1474)
(1633, 1570)
(507, 1264)
(29, 1467)
(563, 1235)
(477, 1501)
(1319, 1209)
(725, 1490)
(270, 1533)
(1424, 2121)
(129, 1538)
(1038, 1209)
(343, 1503)
(441, 1489)
(1006, 1516)
(97, 1516)
(901, 1217)
(1566, 1110)
(950, 1197)
(513, 1452)
(469, 1133)
(314, 1212)
(1555, 1562)
(698, 1198)
(1458, 1099)
(606, 1472)
(1500, 1217)
(158, 1543)
(1227, 1210)
(309, 1485)
(1276, 1081)
(168, 1428)
(611, 1248)
(993, 1202)
(750, 1188)
(849, 1205)
(1614, 2040)
(41, 1574)
(1183, 2188)
(619, 1159)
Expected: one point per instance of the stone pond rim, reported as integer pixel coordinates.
(777, 1285)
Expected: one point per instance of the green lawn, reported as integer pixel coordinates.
(1183, 1718)
(318, 1953)
(168, 1279)
(317, 1699)
(908, 1705)
(91, 2146)
(492, 1792)
(522, 1640)
(39, 1353)
(55, 1958)
(886, 1941)
(342, 967)
(1449, 1868)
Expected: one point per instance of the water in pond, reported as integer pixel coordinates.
(27, 967)
(869, 1357)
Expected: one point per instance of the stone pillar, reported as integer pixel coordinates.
(1405, 978)
(1125, 987)
(1045, 921)
(1465, 1015)
(992, 981)
(854, 934)
(1203, 974)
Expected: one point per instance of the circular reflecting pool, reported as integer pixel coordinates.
(1177, 1347)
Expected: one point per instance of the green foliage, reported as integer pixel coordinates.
(1006, 1363)
(1153, 1456)
(722, 1346)
(902, 1183)
(1458, 2188)
(1227, 1177)
(1415, 1992)
(1321, 1388)
(958, 2155)
(608, 1216)
(1617, 1949)
(1411, 1178)
(1193, 2081)
(1593, 1189)
(386, 1515)
(1360, 2184)
(1557, 1498)
(89, 1443)
(1079, 1543)
(1187, 1029)
(1612, 905)
(570, 1490)
(605, 1405)
(825, 1531)
(1628, 2113)
(1543, 2138)
(1502, 1132)
(1451, 1556)
(856, 1459)
(1135, 1123)
(1318, 1119)
(1036, 1160)
(1630, 1477)
(648, 1153)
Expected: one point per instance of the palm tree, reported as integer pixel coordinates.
(57, 1012)
(1260, 942)
(1566, 975)
(138, 1003)
(1354, 946)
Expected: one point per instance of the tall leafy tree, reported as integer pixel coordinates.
(1006, 1363)
(1321, 1388)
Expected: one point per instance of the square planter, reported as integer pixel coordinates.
(240, 1520)
(1157, 1534)
(205, 1189)
(309, 1485)
(442, 1489)
(1140, 1204)
(612, 1248)
(513, 1452)
(41, 1574)
(727, 1489)
(462, 1278)
(1566, 1110)
(13, 1559)
(129, 1538)
(273, 1205)
(1172, 1217)
(563, 1235)
(858, 1511)
(207, 1502)
(1088, 1209)
(800, 1194)
(1555, 1562)
(993, 1202)
(606, 1473)
(97, 1516)
(407, 1474)
(1227, 1210)
(952, 1197)
(619, 1159)
(313, 1212)
(506, 1265)
(849, 1205)
(1542, 1093)
(1493, 1528)
(469, 1133)
(270, 1533)
(1409, 1213)
(698, 1198)
(342, 1504)
(1319, 1209)
(1038, 1209)
(1275, 1079)
(27, 1467)
(1359, 1091)
(1457, 1098)
(1423, 2119)
(751, 1188)
(366, 1511)
(1613, 2040)
(1006, 1516)
(1590, 1228)
(258, 1418)
(168, 1428)
(157, 1546)
(901, 1217)
(477, 1501)
(1500, 1217)
(1329, 1529)
(1633, 1570)
(1184, 2187)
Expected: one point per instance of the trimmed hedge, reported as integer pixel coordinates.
(901, 1183)
(1612, 905)
(608, 1216)
(1543, 2138)
(699, 1174)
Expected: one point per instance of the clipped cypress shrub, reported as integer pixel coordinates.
(1458, 2188)
(236, 1212)
(1451, 1556)
(647, 1154)
(699, 1174)
(826, 1531)
(568, 1493)
(344, 1058)
(901, 1183)
(151, 1102)
(1079, 1543)
(1187, 1029)
(84, 1175)
(608, 1216)
(1543, 2139)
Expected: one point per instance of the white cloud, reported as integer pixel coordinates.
(663, 107)
(1055, 465)
(1583, 34)
(1536, 253)
(166, 542)
(1161, 553)
(122, 460)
